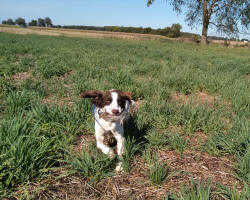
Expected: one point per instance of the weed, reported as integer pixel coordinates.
(18, 101)
(176, 142)
(33, 86)
(94, 165)
(6, 85)
(235, 142)
(155, 139)
(130, 149)
(204, 191)
(25, 153)
(198, 191)
(158, 171)
(242, 167)
(232, 194)
(49, 67)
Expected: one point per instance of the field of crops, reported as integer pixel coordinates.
(188, 136)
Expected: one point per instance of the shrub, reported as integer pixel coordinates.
(196, 38)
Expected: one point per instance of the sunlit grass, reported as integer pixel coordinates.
(41, 115)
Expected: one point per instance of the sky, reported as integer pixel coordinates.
(97, 13)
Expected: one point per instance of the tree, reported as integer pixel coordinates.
(10, 22)
(33, 22)
(176, 30)
(226, 16)
(20, 21)
(48, 21)
(4, 22)
(41, 22)
(147, 30)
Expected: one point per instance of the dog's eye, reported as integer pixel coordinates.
(121, 103)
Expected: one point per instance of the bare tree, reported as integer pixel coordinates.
(230, 17)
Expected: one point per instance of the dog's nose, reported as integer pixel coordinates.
(115, 111)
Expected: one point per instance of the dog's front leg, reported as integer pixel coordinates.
(118, 134)
(99, 134)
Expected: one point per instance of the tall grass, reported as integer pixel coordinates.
(93, 166)
(25, 152)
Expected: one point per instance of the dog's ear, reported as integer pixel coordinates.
(91, 94)
(127, 96)
(95, 96)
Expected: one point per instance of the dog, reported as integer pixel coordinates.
(110, 109)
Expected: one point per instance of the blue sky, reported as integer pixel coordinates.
(96, 13)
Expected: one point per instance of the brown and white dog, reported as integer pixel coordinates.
(110, 110)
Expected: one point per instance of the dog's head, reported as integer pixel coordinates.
(114, 102)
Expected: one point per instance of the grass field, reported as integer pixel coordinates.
(188, 136)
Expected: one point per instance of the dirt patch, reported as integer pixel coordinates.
(77, 33)
(83, 141)
(105, 34)
(196, 140)
(65, 78)
(133, 185)
(205, 98)
(202, 166)
(21, 76)
(68, 74)
(136, 106)
(198, 98)
(246, 76)
(136, 185)
(69, 101)
(66, 83)
(181, 98)
(24, 31)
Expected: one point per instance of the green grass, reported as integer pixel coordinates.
(197, 191)
(158, 172)
(130, 150)
(206, 191)
(36, 136)
(233, 194)
(176, 142)
(93, 166)
(25, 153)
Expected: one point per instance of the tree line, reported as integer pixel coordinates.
(46, 22)
(173, 31)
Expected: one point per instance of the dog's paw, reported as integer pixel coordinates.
(119, 167)
(111, 153)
